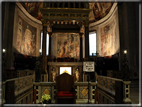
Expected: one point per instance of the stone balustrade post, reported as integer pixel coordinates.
(126, 92)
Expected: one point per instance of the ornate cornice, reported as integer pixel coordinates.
(65, 10)
(65, 13)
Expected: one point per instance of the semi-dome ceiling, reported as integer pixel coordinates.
(98, 10)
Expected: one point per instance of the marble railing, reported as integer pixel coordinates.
(23, 83)
(112, 90)
(17, 87)
(81, 89)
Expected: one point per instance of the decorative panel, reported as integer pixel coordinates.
(23, 83)
(46, 90)
(83, 92)
(107, 84)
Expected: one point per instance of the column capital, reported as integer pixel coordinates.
(50, 34)
(86, 23)
(44, 22)
(81, 35)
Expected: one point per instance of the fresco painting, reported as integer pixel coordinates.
(33, 8)
(108, 39)
(26, 38)
(99, 10)
(68, 45)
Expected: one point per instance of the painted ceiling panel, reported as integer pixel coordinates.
(99, 10)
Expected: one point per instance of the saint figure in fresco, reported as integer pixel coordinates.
(65, 50)
(96, 11)
(61, 51)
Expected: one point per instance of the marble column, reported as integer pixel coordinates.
(81, 50)
(49, 53)
(86, 24)
(44, 57)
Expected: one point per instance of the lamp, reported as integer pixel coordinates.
(125, 67)
(125, 51)
(40, 51)
(3, 50)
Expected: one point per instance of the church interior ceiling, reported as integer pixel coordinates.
(98, 10)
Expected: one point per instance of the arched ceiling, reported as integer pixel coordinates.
(98, 10)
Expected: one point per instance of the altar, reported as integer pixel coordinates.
(72, 68)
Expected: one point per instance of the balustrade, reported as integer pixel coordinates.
(105, 90)
(112, 90)
(18, 90)
(80, 87)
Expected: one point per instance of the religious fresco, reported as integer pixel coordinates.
(26, 38)
(109, 45)
(68, 45)
(33, 8)
(99, 10)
